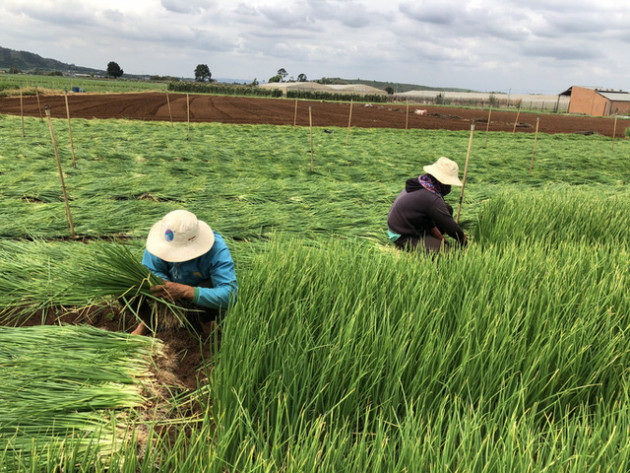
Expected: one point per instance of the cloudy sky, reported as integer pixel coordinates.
(531, 46)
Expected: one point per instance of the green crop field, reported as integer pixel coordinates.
(11, 83)
(341, 354)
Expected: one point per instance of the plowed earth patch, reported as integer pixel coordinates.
(227, 109)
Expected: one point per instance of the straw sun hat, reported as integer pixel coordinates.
(444, 170)
(180, 236)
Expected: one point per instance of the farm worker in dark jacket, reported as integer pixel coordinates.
(195, 264)
(419, 215)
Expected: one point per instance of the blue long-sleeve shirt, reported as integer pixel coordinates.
(215, 266)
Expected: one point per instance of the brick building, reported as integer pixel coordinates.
(598, 102)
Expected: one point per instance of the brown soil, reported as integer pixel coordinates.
(226, 109)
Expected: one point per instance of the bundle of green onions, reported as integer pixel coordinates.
(41, 276)
(68, 385)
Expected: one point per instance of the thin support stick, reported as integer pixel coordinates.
(295, 114)
(39, 107)
(63, 185)
(22, 112)
(612, 144)
(168, 104)
(461, 194)
(531, 165)
(488, 127)
(516, 121)
(349, 122)
(407, 117)
(188, 114)
(310, 125)
(74, 163)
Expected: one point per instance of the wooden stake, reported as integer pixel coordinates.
(295, 114)
(168, 104)
(407, 117)
(188, 114)
(516, 121)
(38, 105)
(488, 127)
(310, 125)
(531, 165)
(22, 112)
(349, 122)
(461, 194)
(612, 144)
(63, 185)
(74, 163)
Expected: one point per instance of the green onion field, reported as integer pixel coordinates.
(341, 354)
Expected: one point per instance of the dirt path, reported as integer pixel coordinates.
(226, 109)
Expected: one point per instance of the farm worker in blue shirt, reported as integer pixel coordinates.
(195, 264)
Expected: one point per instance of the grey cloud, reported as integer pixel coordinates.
(188, 6)
(439, 13)
(60, 14)
(289, 18)
(349, 13)
(113, 15)
(560, 52)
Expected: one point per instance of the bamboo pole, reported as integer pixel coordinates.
(612, 144)
(461, 194)
(349, 122)
(310, 126)
(63, 185)
(407, 117)
(38, 105)
(188, 114)
(295, 114)
(168, 104)
(65, 94)
(531, 165)
(485, 145)
(22, 112)
(516, 121)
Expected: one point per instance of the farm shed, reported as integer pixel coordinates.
(598, 102)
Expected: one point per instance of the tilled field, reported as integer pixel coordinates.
(227, 109)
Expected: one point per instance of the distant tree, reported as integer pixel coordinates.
(254, 82)
(202, 73)
(14, 70)
(275, 79)
(114, 70)
(282, 73)
(301, 78)
(389, 90)
(55, 73)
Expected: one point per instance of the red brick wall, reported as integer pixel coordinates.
(589, 102)
(620, 108)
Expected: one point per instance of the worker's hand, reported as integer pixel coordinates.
(173, 291)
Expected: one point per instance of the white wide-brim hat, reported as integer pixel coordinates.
(444, 170)
(179, 236)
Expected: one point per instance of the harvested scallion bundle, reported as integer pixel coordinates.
(69, 383)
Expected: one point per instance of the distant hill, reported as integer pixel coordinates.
(31, 62)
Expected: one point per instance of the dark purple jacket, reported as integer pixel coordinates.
(416, 210)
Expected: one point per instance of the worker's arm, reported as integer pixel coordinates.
(444, 221)
(436, 233)
(222, 273)
(156, 265)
